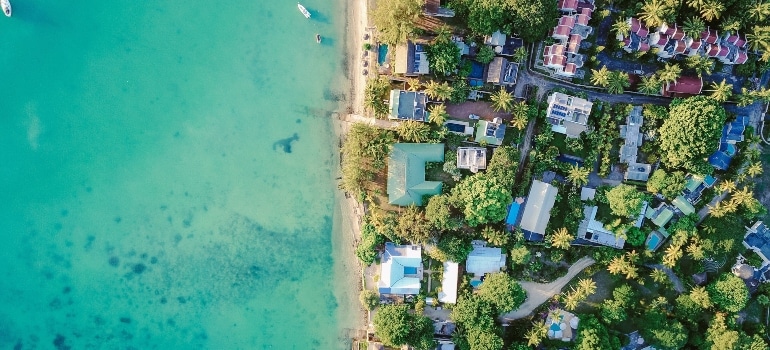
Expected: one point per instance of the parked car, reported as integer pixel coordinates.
(474, 117)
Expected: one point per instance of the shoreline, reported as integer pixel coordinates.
(348, 208)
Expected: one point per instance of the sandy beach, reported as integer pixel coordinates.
(350, 210)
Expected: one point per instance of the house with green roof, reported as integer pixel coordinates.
(406, 172)
(682, 204)
(490, 132)
(661, 215)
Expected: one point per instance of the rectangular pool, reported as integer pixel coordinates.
(382, 52)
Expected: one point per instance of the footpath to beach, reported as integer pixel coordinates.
(538, 293)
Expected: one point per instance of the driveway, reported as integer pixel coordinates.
(538, 293)
(481, 108)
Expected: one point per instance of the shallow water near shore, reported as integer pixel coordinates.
(167, 176)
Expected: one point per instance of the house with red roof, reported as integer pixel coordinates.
(570, 31)
(683, 87)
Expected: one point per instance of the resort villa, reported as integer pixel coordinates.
(408, 105)
(683, 87)
(502, 72)
(732, 133)
(537, 210)
(400, 270)
(491, 133)
(483, 260)
(472, 158)
(568, 115)
(633, 137)
(592, 232)
(572, 28)
(411, 60)
(406, 172)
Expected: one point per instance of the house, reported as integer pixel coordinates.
(683, 87)
(496, 39)
(444, 329)
(695, 186)
(408, 105)
(592, 232)
(406, 172)
(472, 158)
(587, 194)
(511, 45)
(567, 114)
(433, 8)
(449, 278)
(661, 215)
(732, 133)
(400, 270)
(513, 213)
(571, 29)
(757, 238)
(537, 211)
(411, 59)
(490, 132)
(633, 138)
(459, 127)
(683, 205)
(655, 239)
(561, 325)
(502, 72)
(483, 259)
(637, 172)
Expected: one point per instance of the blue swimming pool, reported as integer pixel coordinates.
(382, 52)
(410, 270)
(475, 283)
(555, 327)
(652, 243)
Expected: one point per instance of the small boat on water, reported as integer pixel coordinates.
(318, 38)
(299, 6)
(6, 5)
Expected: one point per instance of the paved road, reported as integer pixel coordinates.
(678, 285)
(538, 293)
(703, 212)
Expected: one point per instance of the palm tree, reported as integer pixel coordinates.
(600, 77)
(520, 116)
(763, 94)
(696, 4)
(586, 287)
(695, 250)
(650, 85)
(578, 176)
(759, 38)
(653, 13)
(659, 275)
(561, 238)
(732, 23)
(670, 73)
(759, 11)
(502, 100)
(571, 301)
(414, 84)
(437, 91)
(701, 64)
(618, 82)
(673, 253)
(413, 131)
(617, 265)
(536, 334)
(721, 92)
(727, 185)
(693, 26)
(717, 210)
(729, 207)
(743, 196)
(700, 296)
(711, 10)
(622, 27)
(437, 114)
(520, 55)
(745, 98)
(754, 169)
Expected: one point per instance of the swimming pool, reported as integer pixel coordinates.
(652, 243)
(382, 52)
(410, 270)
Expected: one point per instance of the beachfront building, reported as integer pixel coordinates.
(490, 132)
(683, 87)
(400, 270)
(537, 210)
(449, 279)
(732, 133)
(502, 72)
(408, 105)
(592, 232)
(567, 114)
(406, 172)
(483, 260)
(670, 41)
(411, 59)
(632, 140)
(472, 158)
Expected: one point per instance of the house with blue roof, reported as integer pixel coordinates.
(401, 269)
(757, 238)
(408, 105)
(732, 133)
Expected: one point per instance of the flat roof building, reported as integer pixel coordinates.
(537, 211)
(567, 114)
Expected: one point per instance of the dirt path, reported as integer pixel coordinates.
(538, 293)
(678, 285)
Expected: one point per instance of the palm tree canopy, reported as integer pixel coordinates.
(712, 10)
(693, 26)
(502, 100)
(650, 85)
(600, 77)
(618, 81)
(622, 27)
(653, 13)
(721, 91)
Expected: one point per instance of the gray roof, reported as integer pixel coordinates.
(502, 72)
(483, 259)
(408, 105)
(537, 211)
(638, 172)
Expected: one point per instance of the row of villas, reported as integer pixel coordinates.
(570, 31)
(670, 40)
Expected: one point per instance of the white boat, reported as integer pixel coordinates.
(6, 5)
(299, 6)
(318, 38)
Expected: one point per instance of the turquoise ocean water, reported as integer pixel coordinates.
(167, 175)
